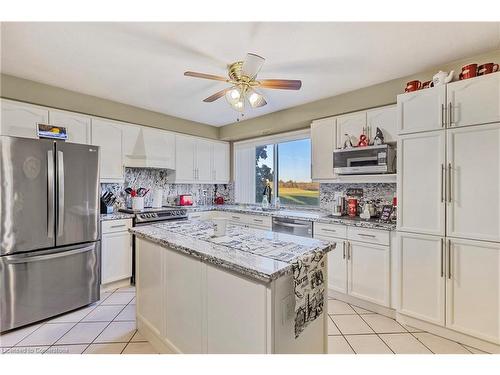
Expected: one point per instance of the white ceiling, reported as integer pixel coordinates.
(142, 64)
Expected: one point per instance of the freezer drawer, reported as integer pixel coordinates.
(41, 284)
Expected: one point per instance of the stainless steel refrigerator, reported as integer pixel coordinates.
(49, 229)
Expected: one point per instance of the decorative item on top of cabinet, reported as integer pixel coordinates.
(385, 119)
(353, 124)
(20, 119)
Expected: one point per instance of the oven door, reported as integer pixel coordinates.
(41, 284)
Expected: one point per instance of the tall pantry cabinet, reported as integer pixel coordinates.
(449, 206)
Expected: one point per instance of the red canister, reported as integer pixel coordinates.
(352, 207)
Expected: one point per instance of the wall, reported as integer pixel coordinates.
(38, 93)
(300, 117)
(159, 179)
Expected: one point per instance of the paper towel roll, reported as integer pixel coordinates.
(157, 198)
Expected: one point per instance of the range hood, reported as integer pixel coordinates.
(148, 148)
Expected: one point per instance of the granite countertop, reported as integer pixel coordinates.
(313, 215)
(260, 254)
(116, 216)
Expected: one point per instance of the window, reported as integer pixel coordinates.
(286, 166)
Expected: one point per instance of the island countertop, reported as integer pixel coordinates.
(260, 254)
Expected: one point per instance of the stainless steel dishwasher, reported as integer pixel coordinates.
(297, 227)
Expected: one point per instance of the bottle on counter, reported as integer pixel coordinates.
(352, 207)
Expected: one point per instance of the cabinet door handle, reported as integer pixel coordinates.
(450, 115)
(449, 182)
(258, 220)
(343, 249)
(348, 250)
(443, 112)
(118, 226)
(442, 182)
(442, 255)
(366, 235)
(328, 230)
(449, 259)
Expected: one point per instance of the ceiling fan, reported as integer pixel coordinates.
(242, 77)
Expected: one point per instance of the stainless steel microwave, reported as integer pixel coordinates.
(365, 160)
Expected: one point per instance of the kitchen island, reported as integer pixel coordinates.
(197, 293)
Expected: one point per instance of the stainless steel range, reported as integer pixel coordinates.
(151, 215)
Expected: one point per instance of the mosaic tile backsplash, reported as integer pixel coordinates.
(159, 179)
(379, 194)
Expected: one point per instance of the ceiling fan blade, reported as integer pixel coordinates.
(252, 64)
(283, 84)
(217, 95)
(205, 76)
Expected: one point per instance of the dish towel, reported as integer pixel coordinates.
(309, 286)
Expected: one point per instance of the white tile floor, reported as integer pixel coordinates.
(109, 327)
(352, 329)
(105, 327)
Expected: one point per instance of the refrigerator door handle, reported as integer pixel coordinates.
(50, 194)
(60, 193)
(37, 258)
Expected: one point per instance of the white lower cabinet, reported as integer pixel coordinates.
(225, 333)
(337, 266)
(360, 269)
(450, 282)
(473, 288)
(368, 270)
(116, 251)
(422, 277)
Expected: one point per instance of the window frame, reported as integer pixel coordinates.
(273, 140)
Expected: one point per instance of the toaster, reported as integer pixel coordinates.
(184, 200)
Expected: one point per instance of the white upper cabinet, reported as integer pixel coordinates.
(198, 160)
(108, 136)
(203, 165)
(353, 124)
(422, 276)
(21, 119)
(422, 110)
(185, 152)
(322, 145)
(421, 183)
(220, 162)
(473, 288)
(474, 174)
(474, 101)
(77, 125)
(384, 118)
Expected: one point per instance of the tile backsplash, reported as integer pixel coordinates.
(159, 179)
(378, 193)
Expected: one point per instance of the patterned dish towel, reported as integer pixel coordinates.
(309, 286)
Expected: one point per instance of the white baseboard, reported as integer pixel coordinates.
(164, 346)
(382, 310)
(115, 284)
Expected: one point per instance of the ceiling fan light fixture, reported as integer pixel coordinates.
(239, 105)
(255, 99)
(233, 95)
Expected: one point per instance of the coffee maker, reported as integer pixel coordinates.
(339, 204)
